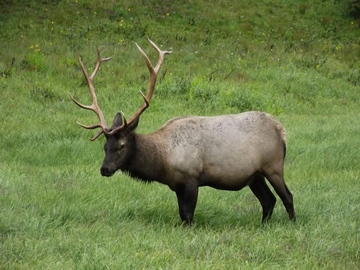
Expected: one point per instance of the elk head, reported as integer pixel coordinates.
(119, 145)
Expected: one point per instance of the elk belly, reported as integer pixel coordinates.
(225, 177)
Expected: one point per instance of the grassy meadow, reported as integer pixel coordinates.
(298, 60)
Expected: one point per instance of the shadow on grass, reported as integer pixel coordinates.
(215, 219)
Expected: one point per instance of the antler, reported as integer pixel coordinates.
(94, 106)
(152, 81)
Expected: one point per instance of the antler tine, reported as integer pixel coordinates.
(98, 63)
(153, 76)
(161, 55)
(94, 106)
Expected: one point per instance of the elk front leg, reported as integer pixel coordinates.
(187, 198)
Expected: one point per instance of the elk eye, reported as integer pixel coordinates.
(122, 146)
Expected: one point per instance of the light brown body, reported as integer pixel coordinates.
(220, 151)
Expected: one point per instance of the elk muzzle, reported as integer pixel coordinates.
(106, 171)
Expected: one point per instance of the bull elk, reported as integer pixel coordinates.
(225, 152)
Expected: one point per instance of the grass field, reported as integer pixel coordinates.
(298, 60)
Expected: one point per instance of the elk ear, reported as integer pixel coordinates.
(118, 121)
(133, 125)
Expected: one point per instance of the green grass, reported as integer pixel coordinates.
(298, 60)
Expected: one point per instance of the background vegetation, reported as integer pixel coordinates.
(298, 60)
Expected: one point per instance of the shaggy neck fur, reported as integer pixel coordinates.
(147, 162)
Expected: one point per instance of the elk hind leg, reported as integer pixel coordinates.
(278, 183)
(267, 199)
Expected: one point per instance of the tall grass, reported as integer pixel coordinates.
(296, 60)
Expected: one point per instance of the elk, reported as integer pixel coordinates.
(226, 152)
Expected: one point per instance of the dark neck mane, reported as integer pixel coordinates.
(146, 163)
